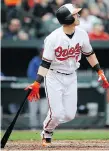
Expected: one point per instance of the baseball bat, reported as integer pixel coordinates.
(11, 126)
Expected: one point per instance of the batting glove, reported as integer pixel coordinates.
(34, 94)
(102, 79)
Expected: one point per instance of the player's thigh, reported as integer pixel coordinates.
(70, 98)
(53, 91)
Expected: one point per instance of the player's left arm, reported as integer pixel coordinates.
(93, 61)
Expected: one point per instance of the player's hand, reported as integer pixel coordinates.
(102, 79)
(34, 94)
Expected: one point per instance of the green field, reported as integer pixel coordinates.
(62, 135)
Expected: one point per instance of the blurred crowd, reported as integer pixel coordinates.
(29, 19)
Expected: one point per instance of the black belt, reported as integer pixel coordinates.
(61, 72)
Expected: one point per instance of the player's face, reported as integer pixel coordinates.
(77, 21)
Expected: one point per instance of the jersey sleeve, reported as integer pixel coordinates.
(48, 53)
(87, 48)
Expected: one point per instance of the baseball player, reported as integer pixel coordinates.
(62, 52)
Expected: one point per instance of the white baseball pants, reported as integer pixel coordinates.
(61, 92)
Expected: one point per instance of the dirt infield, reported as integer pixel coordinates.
(85, 145)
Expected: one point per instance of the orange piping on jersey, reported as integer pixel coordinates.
(46, 59)
(86, 53)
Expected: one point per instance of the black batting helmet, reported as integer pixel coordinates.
(65, 14)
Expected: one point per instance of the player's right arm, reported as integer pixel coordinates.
(48, 56)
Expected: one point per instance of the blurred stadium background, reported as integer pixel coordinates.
(24, 25)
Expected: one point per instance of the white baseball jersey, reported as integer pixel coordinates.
(64, 52)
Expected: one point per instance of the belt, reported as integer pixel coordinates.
(62, 73)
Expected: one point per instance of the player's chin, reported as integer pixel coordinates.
(77, 23)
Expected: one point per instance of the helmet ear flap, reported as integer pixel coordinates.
(69, 19)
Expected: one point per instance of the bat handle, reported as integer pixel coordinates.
(28, 92)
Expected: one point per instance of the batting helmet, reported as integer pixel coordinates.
(65, 14)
